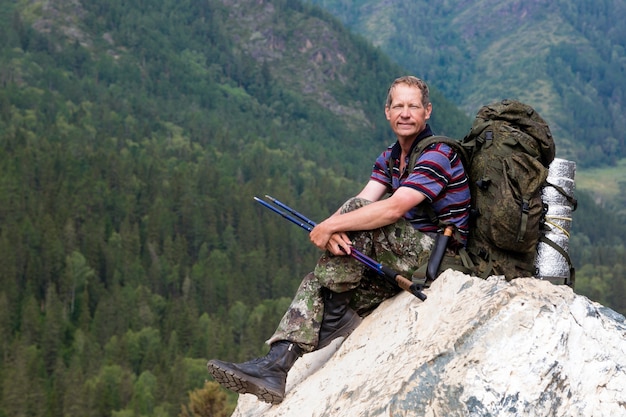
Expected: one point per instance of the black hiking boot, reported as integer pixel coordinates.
(264, 377)
(339, 319)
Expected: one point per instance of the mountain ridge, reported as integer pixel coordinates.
(133, 136)
(565, 59)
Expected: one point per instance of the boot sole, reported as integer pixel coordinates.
(241, 383)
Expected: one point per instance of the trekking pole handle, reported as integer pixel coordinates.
(404, 283)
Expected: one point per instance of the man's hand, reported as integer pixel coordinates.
(336, 243)
(339, 244)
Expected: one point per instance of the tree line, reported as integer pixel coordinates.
(132, 250)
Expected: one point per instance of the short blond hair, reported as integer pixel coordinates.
(411, 81)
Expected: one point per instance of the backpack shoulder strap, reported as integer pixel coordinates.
(425, 143)
(419, 149)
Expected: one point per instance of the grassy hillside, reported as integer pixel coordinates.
(606, 185)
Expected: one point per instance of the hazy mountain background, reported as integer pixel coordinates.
(133, 137)
(564, 57)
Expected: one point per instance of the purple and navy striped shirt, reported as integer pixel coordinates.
(439, 175)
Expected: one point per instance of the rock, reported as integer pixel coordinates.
(473, 348)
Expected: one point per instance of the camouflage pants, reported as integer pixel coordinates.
(398, 246)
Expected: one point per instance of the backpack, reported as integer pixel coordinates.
(506, 155)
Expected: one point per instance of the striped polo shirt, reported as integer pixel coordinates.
(439, 175)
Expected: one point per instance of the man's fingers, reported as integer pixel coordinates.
(339, 244)
(345, 249)
(345, 239)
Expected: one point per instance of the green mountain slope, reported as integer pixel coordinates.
(133, 136)
(565, 58)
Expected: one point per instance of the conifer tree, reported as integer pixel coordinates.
(208, 401)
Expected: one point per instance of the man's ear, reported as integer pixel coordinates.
(429, 110)
(387, 113)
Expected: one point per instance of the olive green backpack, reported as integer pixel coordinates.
(506, 155)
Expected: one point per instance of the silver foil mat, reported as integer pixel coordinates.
(561, 173)
(550, 264)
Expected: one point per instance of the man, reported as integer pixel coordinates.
(396, 231)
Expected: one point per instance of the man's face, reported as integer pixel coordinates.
(406, 113)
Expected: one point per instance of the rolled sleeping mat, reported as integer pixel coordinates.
(550, 263)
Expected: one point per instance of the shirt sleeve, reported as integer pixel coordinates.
(380, 170)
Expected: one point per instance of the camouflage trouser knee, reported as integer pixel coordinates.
(398, 246)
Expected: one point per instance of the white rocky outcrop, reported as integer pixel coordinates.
(473, 348)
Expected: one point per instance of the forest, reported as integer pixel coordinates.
(132, 249)
(566, 57)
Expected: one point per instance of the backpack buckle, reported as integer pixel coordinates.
(483, 183)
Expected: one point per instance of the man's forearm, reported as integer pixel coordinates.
(372, 216)
(377, 214)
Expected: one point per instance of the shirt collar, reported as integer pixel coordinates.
(396, 150)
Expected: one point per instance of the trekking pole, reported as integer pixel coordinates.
(308, 225)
